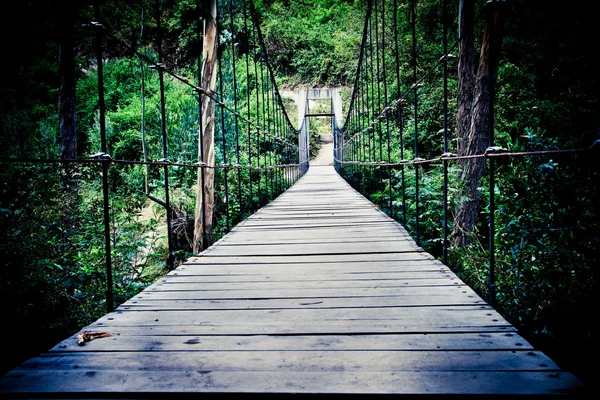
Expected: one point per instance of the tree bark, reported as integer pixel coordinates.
(203, 214)
(474, 121)
(466, 71)
(66, 94)
(66, 111)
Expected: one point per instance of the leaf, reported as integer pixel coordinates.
(87, 336)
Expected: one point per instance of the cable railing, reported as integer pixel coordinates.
(399, 118)
(247, 152)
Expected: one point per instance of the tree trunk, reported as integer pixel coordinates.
(474, 113)
(206, 151)
(466, 71)
(66, 110)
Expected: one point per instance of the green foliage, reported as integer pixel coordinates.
(53, 276)
(309, 41)
(546, 217)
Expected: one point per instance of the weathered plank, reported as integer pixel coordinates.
(218, 259)
(109, 383)
(314, 249)
(307, 293)
(292, 361)
(303, 283)
(388, 342)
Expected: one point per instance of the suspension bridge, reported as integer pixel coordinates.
(315, 290)
(317, 293)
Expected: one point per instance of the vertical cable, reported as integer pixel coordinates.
(416, 104)
(402, 174)
(163, 127)
(445, 162)
(358, 107)
(364, 121)
(280, 146)
(372, 105)
(103, 146)
(224, 140)
(257, 120)
(385, 97)
(271, 131)
(361, 145)
(492, 205)
(247, 51)
(378, 110)
(265, 149)
(267, 112)
(399, 117)
(201, 135)
(235, 107)
(276, 143)
(264, 123)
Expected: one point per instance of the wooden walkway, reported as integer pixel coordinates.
(317, 293)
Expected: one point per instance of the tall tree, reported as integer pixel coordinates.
(473, 117)
(206, 150)
(66, 108)
(66, 71)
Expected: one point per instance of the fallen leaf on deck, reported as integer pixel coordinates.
(86, 336)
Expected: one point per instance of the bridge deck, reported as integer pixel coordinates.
(319, 292)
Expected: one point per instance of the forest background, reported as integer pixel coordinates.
(52, 277)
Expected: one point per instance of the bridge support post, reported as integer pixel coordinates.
(303, 141)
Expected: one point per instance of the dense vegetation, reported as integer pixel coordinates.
(546, 218)
(52, 277)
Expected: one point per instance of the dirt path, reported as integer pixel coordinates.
(325, 156)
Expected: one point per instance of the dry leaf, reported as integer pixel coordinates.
(86, 336)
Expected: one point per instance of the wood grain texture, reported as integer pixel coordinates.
(317, 293)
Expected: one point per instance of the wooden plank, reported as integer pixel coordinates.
(389, 342)
(303, 214)
(283, 207)
(291, 361)
(314, 249)
(279, 241)
(302, 279)
(298, 270)
(269, 284)
(312, 273)
(353, 270)
(303, 328)
(101, 383)
(333, 237)
(217, 259)
(412, 316)
(341, 224)
(356, 232)
(305, 321)
(340, 263)
(313, 210)
(242, 293)
(292, 303)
